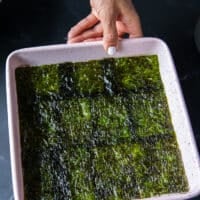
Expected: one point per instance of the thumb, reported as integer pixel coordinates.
(110, 35)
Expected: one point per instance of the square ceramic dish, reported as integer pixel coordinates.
(89, 51)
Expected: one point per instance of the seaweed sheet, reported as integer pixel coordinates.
(97, 130)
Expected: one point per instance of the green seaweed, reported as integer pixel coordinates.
(139, 73)
(88, 77)
(48, 112)
(109, 77)
(158, 166)
(45, 79)
(76, 120)
(65, 72)
(112, 124)
(47, 184)
(97, 130)
(79, 167)
(150, 114)
(114, 172)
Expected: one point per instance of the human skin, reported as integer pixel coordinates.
(109, 20)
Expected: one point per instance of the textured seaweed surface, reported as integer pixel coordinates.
(97, 130)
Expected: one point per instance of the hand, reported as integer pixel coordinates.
(110, 20)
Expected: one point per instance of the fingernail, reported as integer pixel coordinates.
(111, 50)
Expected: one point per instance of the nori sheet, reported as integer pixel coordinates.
(97, 130)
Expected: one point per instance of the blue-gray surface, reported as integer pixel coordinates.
(41, 22)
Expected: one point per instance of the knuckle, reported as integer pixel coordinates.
(84, 22)
(100, 12)
(87, 20)
(110, 37)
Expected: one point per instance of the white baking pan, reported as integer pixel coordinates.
(94, 50)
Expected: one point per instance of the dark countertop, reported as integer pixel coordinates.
(42, 22)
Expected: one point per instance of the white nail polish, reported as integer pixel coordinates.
(111, 50)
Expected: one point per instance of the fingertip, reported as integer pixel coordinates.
(110, 40)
